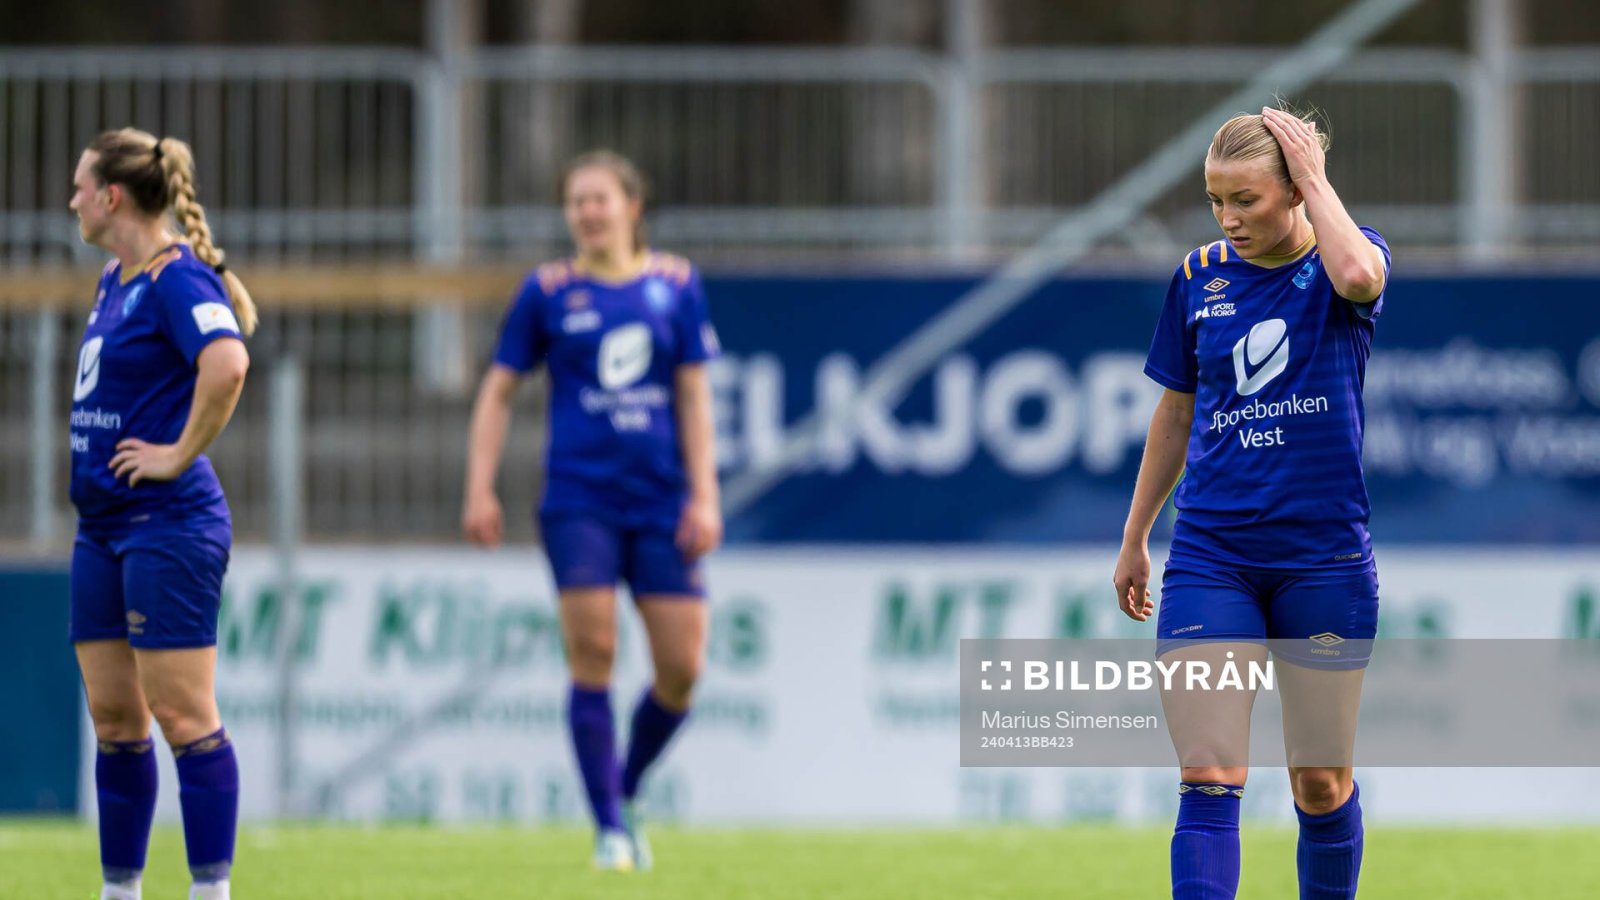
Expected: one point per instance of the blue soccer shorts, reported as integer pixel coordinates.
(593, 551)
(1316, 619)
(159, 588)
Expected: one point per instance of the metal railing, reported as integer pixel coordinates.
(786, 157)
(788, 153)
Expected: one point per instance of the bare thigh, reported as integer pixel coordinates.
(589, 631)
(111, 681)
(677, 627)
(181, 687)
(1211, 728)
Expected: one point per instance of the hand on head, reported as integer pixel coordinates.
(1302, 146)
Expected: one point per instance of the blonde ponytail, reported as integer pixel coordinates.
(177, 164)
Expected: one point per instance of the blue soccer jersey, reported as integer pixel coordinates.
(1276, 361)
(612, 350)
(136, 378)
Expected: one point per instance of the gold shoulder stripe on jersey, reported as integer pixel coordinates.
(670, 266)
(162, 261)
(553, 276)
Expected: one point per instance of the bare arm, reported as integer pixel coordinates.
(700, 529)
(1353, 263)
(219, 379)
(1165, 448)
(482, 518)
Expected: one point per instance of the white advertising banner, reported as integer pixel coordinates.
(429, 685)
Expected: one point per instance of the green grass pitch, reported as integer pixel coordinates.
(53, 859)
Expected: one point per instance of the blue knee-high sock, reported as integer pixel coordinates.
(653, 726)
(125, 782)
(1329, 855)
(594, 740)
(1205, 845)
(208, 790)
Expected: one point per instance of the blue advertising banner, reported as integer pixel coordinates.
(40, 748)
(1483, 404)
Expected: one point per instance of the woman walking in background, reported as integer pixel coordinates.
(630, 487)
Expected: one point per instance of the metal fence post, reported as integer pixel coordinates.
(958, 102)
(1489, 144)
(45, 428)
(440, 226)
(286, 437)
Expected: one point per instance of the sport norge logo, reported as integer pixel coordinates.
(1261, 355)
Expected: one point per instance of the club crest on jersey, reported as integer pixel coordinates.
(1261, 355)
(132, 300)
(658, 295)
(1307, 273)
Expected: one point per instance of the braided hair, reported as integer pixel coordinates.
(159, 175)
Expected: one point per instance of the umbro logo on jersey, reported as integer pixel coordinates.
(1217, 284)
(1261, 355)
(577, 299)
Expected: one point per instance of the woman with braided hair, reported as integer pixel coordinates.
(159, 373)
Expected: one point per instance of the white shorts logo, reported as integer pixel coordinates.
(88, 369)
(1261, 355)
(209, 317)
(624, 355)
